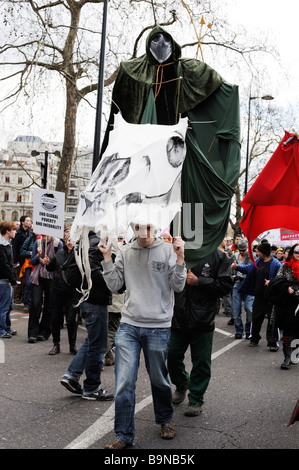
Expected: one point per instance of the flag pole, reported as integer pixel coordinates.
(179, 224)
(97, 138)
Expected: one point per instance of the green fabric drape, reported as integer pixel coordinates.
(211, 167)
(212, 164)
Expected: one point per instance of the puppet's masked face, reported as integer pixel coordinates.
(161, 47)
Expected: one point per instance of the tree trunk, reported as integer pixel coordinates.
(72, 101)
(69, 142)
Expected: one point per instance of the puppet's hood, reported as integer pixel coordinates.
(176, 48)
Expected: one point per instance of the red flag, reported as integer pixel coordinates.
(273, 200)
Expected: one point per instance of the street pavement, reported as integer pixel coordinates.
(248, 403)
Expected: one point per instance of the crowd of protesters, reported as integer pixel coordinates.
(123, 315)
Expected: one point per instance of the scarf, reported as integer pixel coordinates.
(294, 266)
(40, 270)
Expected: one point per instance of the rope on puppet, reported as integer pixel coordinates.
(159, 82)
(82, 260)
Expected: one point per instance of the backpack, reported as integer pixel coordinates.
(71, 273)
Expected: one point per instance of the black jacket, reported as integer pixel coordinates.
(196, 306)
(99, 294)
(54, 266)
(17, 244)
(6, 264)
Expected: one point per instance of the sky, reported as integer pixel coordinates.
(279, 21)
(270, 17)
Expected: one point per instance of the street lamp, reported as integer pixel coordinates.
(267, 98)
(44, 163)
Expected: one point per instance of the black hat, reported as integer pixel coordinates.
(264, 248)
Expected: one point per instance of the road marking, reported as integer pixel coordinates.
(101, 427)
(105, 423)
(226, 348)
(226, 333)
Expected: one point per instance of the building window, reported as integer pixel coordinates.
(6, 197)
(15, 216)
(20, 180)
(19, 198)
(7, 179)
(3, 215)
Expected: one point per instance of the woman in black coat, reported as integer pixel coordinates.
(62, 300)
(283, 291)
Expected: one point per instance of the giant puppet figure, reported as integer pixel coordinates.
(201, 111)
(158, 88)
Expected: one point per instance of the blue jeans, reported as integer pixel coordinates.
(129, 341)
(237, 300)
(90, 356)
(6, 293)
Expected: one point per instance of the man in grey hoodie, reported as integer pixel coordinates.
(152, 271)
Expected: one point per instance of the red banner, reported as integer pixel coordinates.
(286, 234)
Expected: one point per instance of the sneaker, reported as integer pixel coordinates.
(168, 430)
(71, 385)
(100, 395)
(12, 332)
(238, 336)
(252, 344)
(179, 396)
(194, 409)
(5, 335)
(273, 348)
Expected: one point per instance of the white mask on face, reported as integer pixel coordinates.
(161, 47)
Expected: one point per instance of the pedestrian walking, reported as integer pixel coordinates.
(193, 325)
(39, 327)
(24, 231)
(241, 257)
(94, 311)
(8, 279)
(62, 300)
(151, 270)
(283, 290)
(257, 278)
